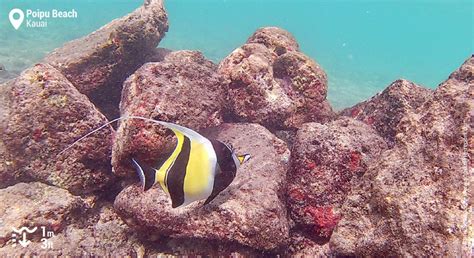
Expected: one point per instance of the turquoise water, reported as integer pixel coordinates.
(362, 45)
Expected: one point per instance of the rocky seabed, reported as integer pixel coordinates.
(390, 176)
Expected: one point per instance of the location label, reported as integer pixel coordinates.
(16, 22)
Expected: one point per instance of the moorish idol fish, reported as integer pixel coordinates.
(198, 169)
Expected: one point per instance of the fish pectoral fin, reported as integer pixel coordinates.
(146, 174)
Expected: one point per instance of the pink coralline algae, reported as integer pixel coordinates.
(310, 165)
(324, 219)
(296, 194)
(355, 160)
(37, 134)
(355, 112)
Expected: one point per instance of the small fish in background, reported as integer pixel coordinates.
(198, 169)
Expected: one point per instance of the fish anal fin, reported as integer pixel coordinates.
(221, 181)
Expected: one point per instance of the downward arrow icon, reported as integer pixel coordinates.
(24, 242)
(23, 230)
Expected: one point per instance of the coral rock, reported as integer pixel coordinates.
(303, 246)
(101, 233)
(385, 110)
(35, 205)
(42, 113)
(415, 200)
(276, 39)
(270, 82)
(98, 63)
(249, 212)
(325, 159)
(184, 88)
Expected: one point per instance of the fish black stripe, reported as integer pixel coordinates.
(159, 163)
(225, 170)
(177, 172)
(224, 156)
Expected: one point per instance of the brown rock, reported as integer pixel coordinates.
(101, 233)
(302, 246)
(415, 200)
(270, 82)
(7, 176)
(98, 63)
(184, 88)
(96, 231)
(278, 40)
(199, 247)
(41, 115)
(325, 159)
(35, 205)
(385, 110)
(306, 84)
(248, 212)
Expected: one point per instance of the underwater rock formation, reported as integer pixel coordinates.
(41, 113)
(184, 88)
(270, 82)
(325, 158)
(78, 229)
(415, 201)
(158, 55)
(277, 40)
(385, 110)
(98, 63)
(303, 246)
(81, 226)
(36, 204)
(6, 178)
(250, 211)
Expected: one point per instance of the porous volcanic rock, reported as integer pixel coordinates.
(270, 82)
(184, 88)
(385, 110)
(249, 212)
(100, 232)
(98, 63)
(275, 39)
(41, 113)
(199, 247)
(325, 158)
(35, 205)
(303, 246)
(415, 201)
(7, 176)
